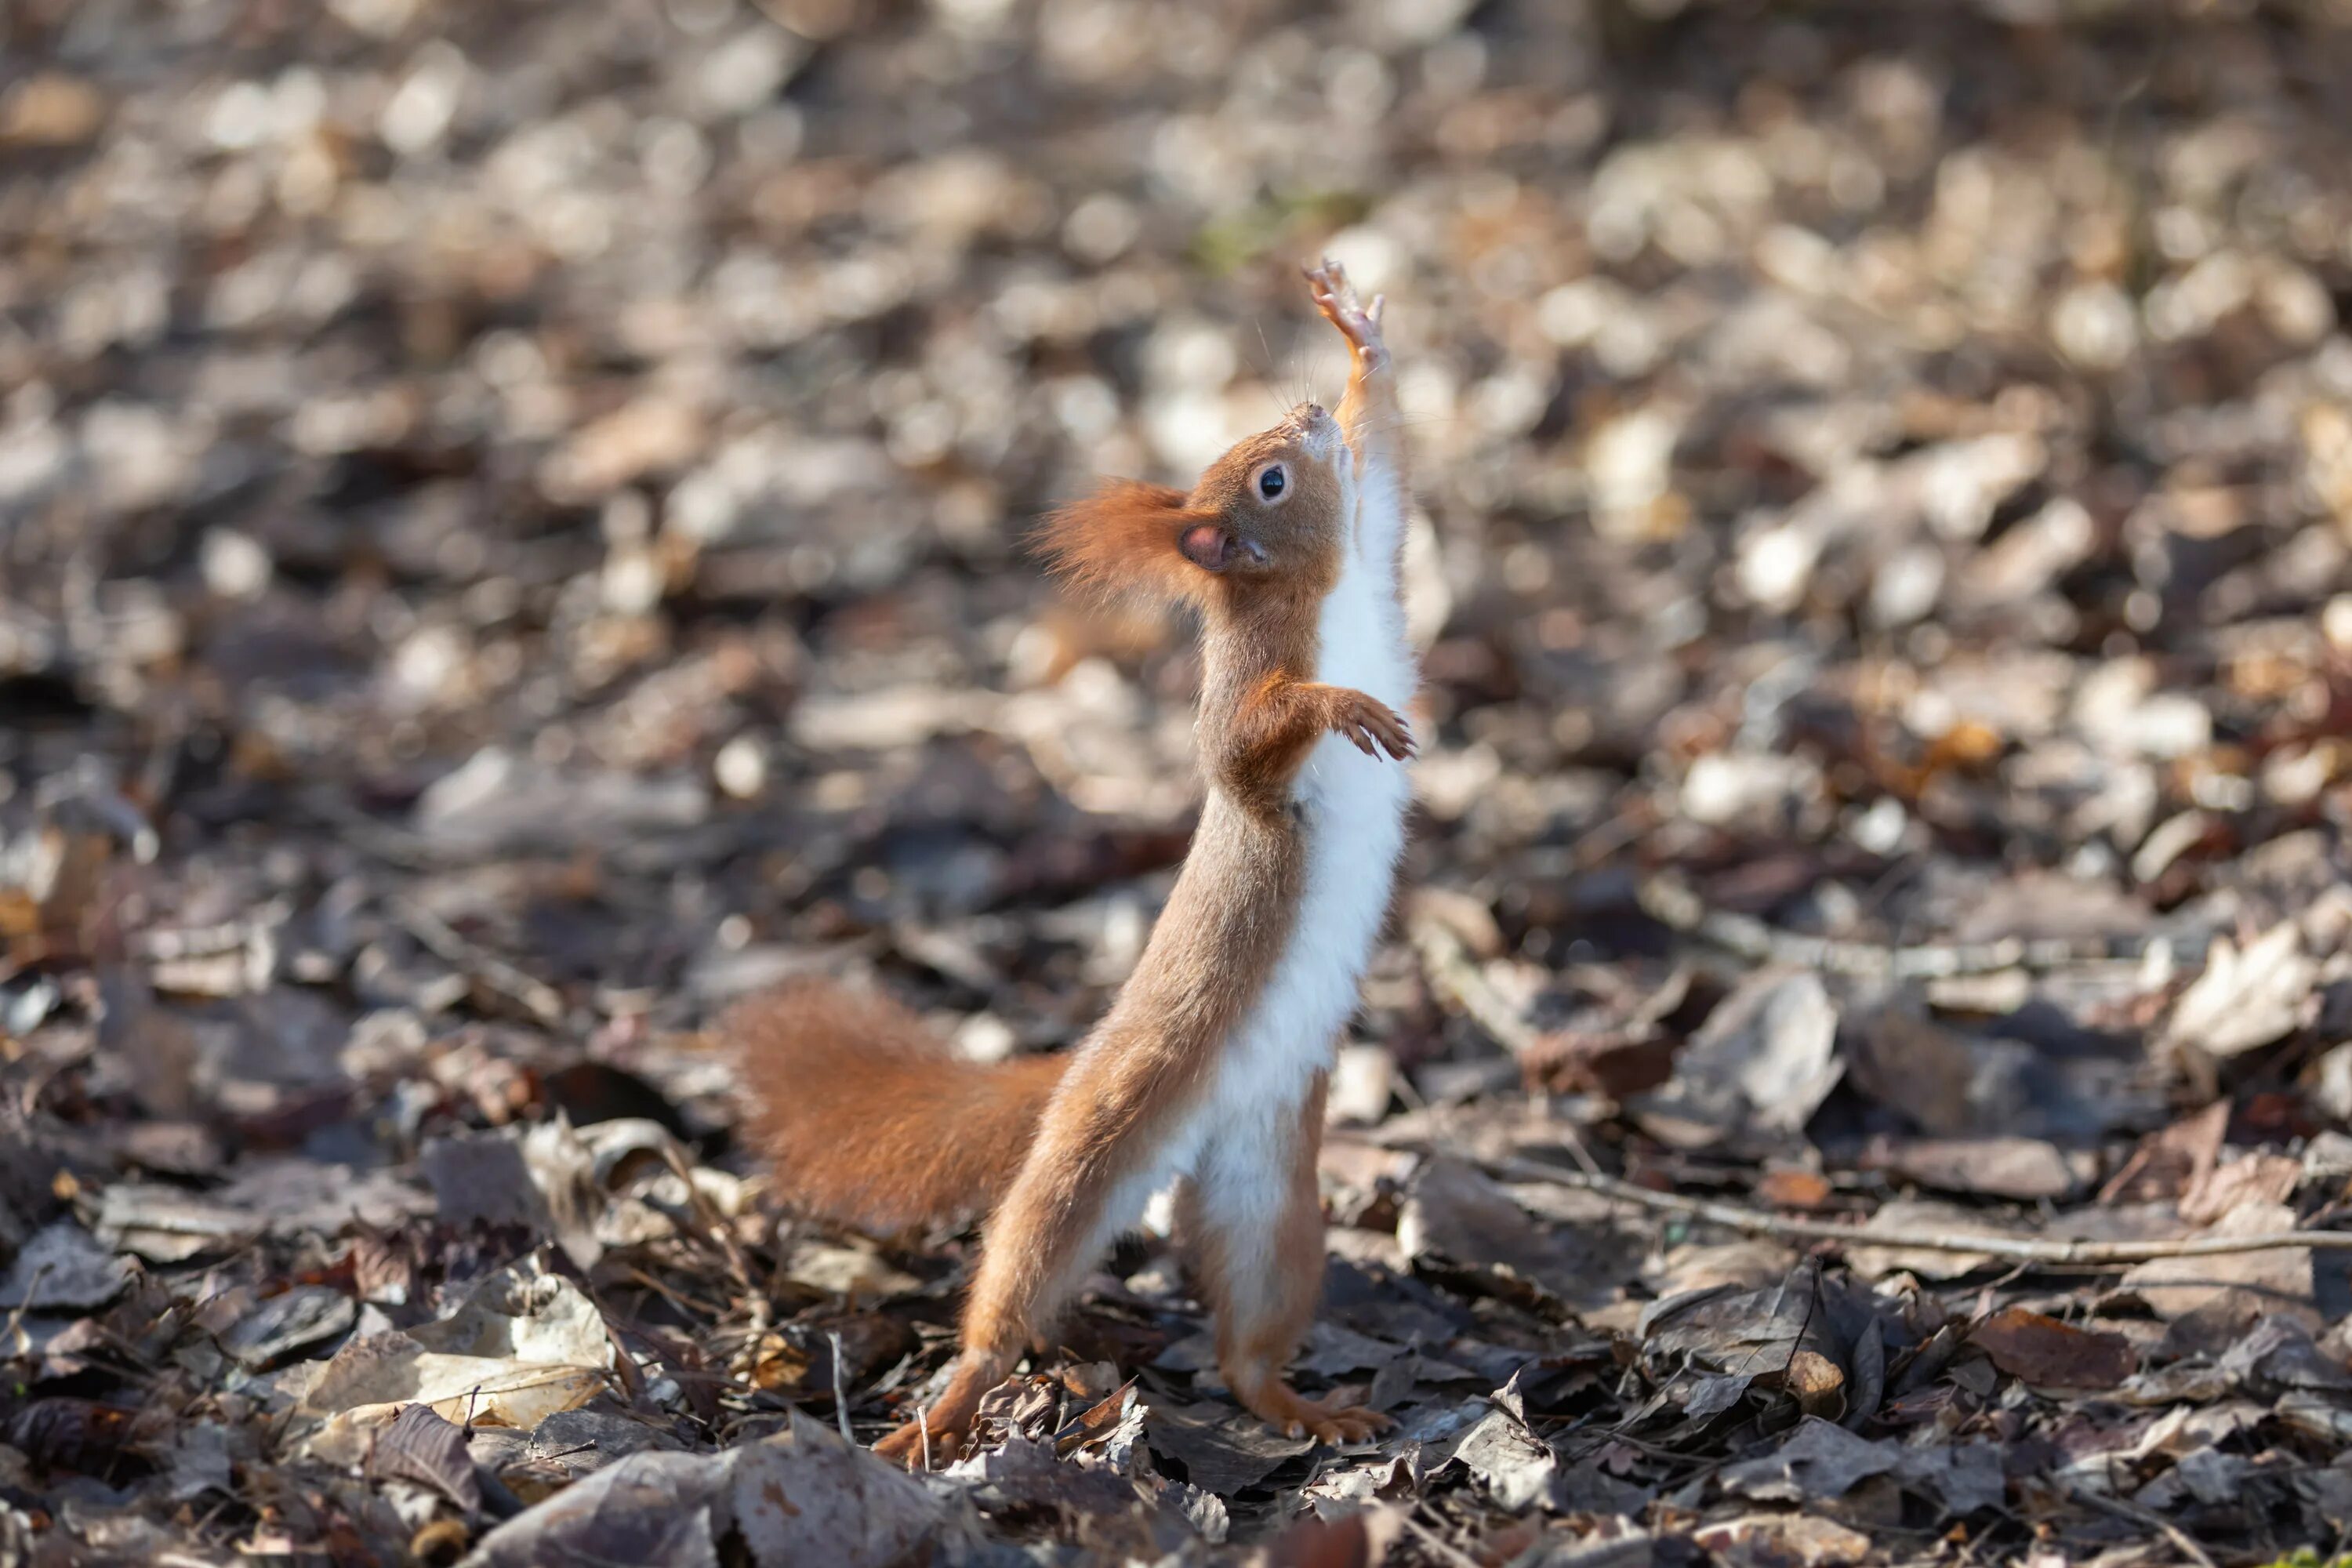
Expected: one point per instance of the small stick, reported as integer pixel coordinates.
(14, 1333)
(1450, 968)
(1438, 1544)
(841, 1389)
(445, 941)
(923, 1434)
(2021, 1249)
(2145, 1517)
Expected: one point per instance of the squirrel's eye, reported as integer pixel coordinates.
(1270, 483)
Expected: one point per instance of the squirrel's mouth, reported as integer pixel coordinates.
(1315, 429)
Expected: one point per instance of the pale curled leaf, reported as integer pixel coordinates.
(2247, 999)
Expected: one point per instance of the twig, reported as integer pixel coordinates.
(1674, 906)
(1438, 1544)
(2021, 1249)
(841, 1388)
(715, 1230)
(14, 1335)
(923, 1434)
(1455, 975)
(377, 840)
(676, 1297)
(2145, 1517)
(444, 940)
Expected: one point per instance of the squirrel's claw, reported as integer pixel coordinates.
(1332, 1419)
(1335, 298)
(1372, 727)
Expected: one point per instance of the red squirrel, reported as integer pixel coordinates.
(1209, 1071)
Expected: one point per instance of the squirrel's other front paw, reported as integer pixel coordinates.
(1335, 298)
(1371, 725)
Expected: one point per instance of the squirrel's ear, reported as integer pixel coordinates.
(1133, 538)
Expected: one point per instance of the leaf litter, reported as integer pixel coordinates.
(511, 543)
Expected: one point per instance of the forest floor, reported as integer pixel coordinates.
(511, 539)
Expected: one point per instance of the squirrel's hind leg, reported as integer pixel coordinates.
(1251, 1222)
(1086, 1179)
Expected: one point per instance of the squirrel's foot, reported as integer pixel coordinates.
(906, 1446)
(950, 1416)
(1293, 1414)
(1358, 323)
(1371, 724)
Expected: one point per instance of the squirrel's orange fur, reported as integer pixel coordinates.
(932, 1137)
(1209, 1069)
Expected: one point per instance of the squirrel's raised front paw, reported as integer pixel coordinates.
(1371, 724)
(1335, 298)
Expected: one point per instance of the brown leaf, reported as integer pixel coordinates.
(51, 109)
(2268, 1179)
(1951, 1220)
(1762, 1063)
(421, 1447)
(1615, 1063)
(1452, 1214)
(2026, 1169)
(72, 1433)
(2048, 1353)
(1356, 1541)
(1916, 1066)
(1787, 1188)
(1806, 1540)
(2210, 1301)
(1817, 1383)
(2170, 1159)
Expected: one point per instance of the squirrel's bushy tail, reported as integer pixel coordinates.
(869, 1119)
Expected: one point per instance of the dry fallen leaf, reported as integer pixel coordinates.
(2048, 1353)
(1949, 1220)
(2268, 1179)
(2246, 999)
(63, 1266)
(1819, 1459)
(1801, 1539)
(2210, 1301)
(2171, 1160)
(2028, 1168)
(522, 1346)
(1453, 1216)
(1763, 1062)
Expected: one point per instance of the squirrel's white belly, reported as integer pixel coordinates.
(1238, 1143)
(1352, 810)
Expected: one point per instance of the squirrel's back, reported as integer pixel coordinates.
(868, 1119)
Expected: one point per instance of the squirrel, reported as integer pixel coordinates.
(1209, 1071)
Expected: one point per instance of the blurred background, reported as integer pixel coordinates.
(511, 535)
(562, 469)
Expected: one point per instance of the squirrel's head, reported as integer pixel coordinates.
(1269, 512)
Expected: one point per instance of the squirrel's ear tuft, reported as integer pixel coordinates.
(1127, 538)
